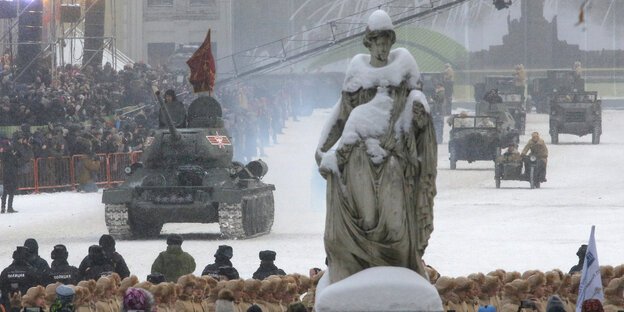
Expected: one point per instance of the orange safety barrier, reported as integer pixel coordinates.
(56, 173)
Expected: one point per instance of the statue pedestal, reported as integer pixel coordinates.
(378, 289)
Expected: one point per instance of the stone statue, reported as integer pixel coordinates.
(381, 175)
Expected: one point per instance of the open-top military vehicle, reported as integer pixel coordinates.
(512, 171)
(576, 113)
(475, 138)
(438, 104)
(512, 96)
(187, 175)
(559, 81)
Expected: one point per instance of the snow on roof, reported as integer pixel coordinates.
(380, 20)
(401, 66)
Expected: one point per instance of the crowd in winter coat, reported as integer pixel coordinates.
(276, 293)
(552, 291)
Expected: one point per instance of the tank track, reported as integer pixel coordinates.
(117, 221)
(251, 217)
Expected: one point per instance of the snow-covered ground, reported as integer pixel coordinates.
(478, 228)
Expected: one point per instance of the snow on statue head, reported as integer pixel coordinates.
(380, 20)
(379, 37)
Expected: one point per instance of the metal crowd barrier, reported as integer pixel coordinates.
(61, 173)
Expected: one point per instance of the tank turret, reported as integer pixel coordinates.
(186, 174)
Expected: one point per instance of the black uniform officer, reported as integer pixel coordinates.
(19, 276)
(119, 264)
(267, 268)
(95, 264)
(222, 259)
(61, 271)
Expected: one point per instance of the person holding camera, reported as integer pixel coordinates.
(514, 296)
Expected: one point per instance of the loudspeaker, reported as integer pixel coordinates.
(8, 9)
(70, 13)
(94, 32)
(29, 36)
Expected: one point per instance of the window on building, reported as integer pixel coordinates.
(202, 2)
(159, 2)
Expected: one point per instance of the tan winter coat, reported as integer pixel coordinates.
(84, 308)
(491, 301)
(105, 306)
(184, 306)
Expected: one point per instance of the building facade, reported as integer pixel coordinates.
(151, 30)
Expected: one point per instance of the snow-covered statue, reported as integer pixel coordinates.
(381, 174)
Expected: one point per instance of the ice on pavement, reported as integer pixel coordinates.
(478, 228)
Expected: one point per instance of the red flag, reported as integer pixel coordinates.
(202, 66)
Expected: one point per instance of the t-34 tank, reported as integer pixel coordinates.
(187, 175)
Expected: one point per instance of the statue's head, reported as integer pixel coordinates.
(379, 36)
(379, 43)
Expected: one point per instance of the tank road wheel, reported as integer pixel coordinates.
(596, 136)
(118, 222)
(253, 216)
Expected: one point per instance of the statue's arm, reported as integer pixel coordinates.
(335, 126)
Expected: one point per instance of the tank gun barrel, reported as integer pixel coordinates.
(172, 129)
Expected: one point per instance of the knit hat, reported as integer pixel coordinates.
(555, 304)
(136, 299)
(174, 239)
(591, 305)
(487, 308)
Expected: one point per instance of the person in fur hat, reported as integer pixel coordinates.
(618, 271)
(464, 290)
(310, 296)
(176, 290)
(237, 286)
(445, 285)
(250, 291)
(126, 283)
(514, 292)
(105, 296)
(489, 293)
(199, 292)
(575, 282)
(553, 281)
(34, 298)
(161, 294)
(606, 274)
(225, 303)
(613, 295)
(81, 299)
(50, 294)
(512, 276)
(90, 285)
(185, 299)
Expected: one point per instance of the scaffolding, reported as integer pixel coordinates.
(62, 40)
(284, 52)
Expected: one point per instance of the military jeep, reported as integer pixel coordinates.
(559, 81)
(577, 113)
(474, 138)
(512, 95)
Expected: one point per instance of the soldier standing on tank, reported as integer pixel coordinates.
(222, 259)
(538, 148)
(176, 111)
(267, 268)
